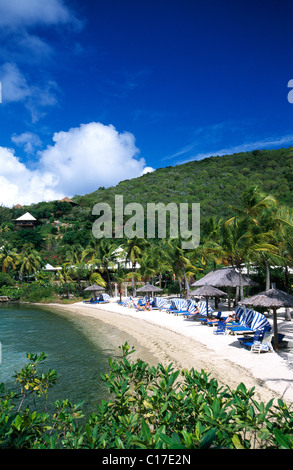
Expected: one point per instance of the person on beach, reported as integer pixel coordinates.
(147, 306)
(231, 318)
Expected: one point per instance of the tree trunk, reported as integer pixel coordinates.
(109, 282)
(229, 298)
(268, 278)
(68, 293)
(287, 314)
(133, 281)
(186, 285)
(286, 279)
(241, 284)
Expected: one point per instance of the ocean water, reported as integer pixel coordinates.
(78, 348)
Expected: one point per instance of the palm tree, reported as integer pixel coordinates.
(284, 236)
(267, 228)
(134, 248)
(65, 278)
(9, 258)
(102, 253)
(75, 264)
(210, 250)
(241, 243)
(182, 266)
(249, 236)
(30, 260)
(253, 202)
(156, 260)
(119, 276)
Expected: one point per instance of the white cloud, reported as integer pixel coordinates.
(28, 140)
(148, 169)
(18, 184)
(15, 13)
(90, 156)
(14, 84)
(245, 147)
(17, 88)
(24, 47)
(79, 162)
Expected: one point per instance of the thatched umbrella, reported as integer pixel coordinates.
(274, 299)
(149, 288)
(225, 277)
(208, 291)
(94, 288)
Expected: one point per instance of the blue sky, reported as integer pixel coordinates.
(98, 91)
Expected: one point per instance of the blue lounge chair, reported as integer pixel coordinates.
(127, 301)
(178, 306)
(263, 346)
(103, 298)
(202, 307)
(160, 303)
(249, 341)
(258, 322)
(220, 328)
(243, 324)
(261, 341)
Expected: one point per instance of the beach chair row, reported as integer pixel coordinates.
(254, 328)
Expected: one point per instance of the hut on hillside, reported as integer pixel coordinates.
(25, 221)
(66, 199)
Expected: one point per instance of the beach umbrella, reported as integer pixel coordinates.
(208, 291)
(94, 288)
(225, 277)
(273, 299)
(149, 288)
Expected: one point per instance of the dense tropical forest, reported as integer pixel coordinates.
(246, 218)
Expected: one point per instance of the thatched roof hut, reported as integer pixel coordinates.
(272, 299)
(208, 291)
(149, 288)
(225, 277)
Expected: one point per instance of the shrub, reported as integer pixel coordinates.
(150, 408)
(6, 280)
(36, 292)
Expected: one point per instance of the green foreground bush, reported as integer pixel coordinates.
(148, 408)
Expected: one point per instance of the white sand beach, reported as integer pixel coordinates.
(187, 344)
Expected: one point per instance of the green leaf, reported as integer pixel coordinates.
(207, 439)
(283, 440)
(145, 430)
(18, 422)
(236, 442)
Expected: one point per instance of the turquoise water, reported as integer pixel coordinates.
(78, 347)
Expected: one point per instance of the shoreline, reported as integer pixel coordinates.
(189, 344)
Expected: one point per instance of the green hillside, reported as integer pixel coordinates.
(215, 182)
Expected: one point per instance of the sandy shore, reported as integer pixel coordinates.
(188, 344)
